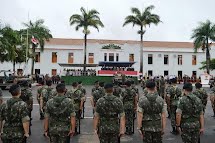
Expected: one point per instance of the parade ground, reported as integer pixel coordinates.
(87, 135)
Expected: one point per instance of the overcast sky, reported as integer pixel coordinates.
(179, 17)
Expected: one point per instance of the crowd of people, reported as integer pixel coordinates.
(80, 72)
(115, 107)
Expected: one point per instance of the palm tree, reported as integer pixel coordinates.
(11, 47)
(40, 32)
(142, 19)
(203, 37)
(85, 20)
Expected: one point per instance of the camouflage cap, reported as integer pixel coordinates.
(108, 85)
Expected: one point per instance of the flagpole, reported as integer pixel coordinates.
(26, 58)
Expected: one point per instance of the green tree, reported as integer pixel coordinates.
(11, 49)
(211, 66)
(85, 20)
(142, 19)
(40, 32)
(203, 36)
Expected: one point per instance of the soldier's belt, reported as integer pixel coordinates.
(190, 120)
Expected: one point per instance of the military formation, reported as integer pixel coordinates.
(115, 108)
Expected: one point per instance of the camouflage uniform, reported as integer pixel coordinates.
(39, 91)
(117, 91)
(83, 90)
(77, 97)
(143, 84)
(14, 112)
(108, 109)
(174, 94)
(27, 97)
(46, 94)
(213, 99)
(190, 107)
(157, 82)
(59, 111)
(128, 98)
(162, 88)
(151, 106)
(202, 94)
(97, 94)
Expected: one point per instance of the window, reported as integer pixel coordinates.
(131, 57)
(105, 56)
(194, 60)
(54, 72)
(179, 59)
(37, 57)
(150, 58)
(37, 71)
(166, 73)
(111, 57)
(166, 59)
(150, 73)
(54, 57)
(70, 58)
(91, 58)
(117, 57)
(194, 73)
(180, 74)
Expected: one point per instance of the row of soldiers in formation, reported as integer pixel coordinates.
(106, 102)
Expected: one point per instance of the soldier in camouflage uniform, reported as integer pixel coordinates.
(107, 124)
(27, 97)
(1, 99)
(173, 96)
(129, 98)
(162, 86)
(117, 89)
(190, 118)
(59, 117)
(133, 86)
(39, 91)
(15, 115)
(143, 83)
(157, 82)
(166, 98)
(78, 98)
(201, 94)
(46, 94)
(212, 98)
(151, 115)
(83, 90)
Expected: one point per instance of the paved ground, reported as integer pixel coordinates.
(87, 135)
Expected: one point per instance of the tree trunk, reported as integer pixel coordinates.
(33, 61)
(85, 52)
(14, 66)
(208, 57)
(141, 52)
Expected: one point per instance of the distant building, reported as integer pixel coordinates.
(160, 58)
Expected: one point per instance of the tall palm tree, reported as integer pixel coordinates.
(85, 20)
(11, 47)
(142, 19)
(40, 32)
(203, 36)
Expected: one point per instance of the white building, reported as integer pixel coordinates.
(160, 58)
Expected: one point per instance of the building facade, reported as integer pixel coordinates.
(159, 58)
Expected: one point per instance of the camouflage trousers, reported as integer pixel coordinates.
(109, 138)
(59, 139)
(173, 115)
(190, 136)
(14, 140)
(129, 119)
(152, 137)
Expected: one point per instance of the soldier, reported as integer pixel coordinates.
(157, 82)
(143, 83)
(133, 86)
(78, 98)
(166, 98)
(190, 118)
(151, 115)
(173, 96)
(201, 94)
(1, 99)
(212, 98)
(39, 91)
(83, 90)
(46, 94)
(106, 121)
(129, 98)
(15, 115)
(117, 89)
(162, 86)
(96, 86)
(27, 97)
(59, 117)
